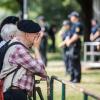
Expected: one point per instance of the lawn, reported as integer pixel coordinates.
(90, 81)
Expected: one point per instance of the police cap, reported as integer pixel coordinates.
(74, 13)
(66, 22)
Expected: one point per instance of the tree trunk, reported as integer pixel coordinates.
(20, 2)
(87, 16)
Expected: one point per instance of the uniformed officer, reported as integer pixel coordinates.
(95, 35)
(74, 45)
(94, 30)
(43, 44)
(65, 34)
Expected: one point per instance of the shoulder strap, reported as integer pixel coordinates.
(14, 43)
(16, 70)
(9, 45)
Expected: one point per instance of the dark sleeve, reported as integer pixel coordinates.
(0, 39)
(94, 30)
(79, 29)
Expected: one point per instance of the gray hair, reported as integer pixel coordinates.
(8, 31)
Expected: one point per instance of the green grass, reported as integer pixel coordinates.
(90, 81)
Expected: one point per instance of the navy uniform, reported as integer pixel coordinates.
(0, 39)
(94, 29)
(43, 44)
(66, 49)
(74, 52)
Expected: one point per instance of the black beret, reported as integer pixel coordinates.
(9, 20)
(28, 26)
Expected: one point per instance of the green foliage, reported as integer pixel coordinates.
(52, 9)
(10, 5)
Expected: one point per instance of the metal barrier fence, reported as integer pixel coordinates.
(90, 50)
(37, 89)
(86, 94)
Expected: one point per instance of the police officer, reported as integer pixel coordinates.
(74, 45)
(52, 31)
(65, 34)
(94, 30)
(95, 35)
(43, 45)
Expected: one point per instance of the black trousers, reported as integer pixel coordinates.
(43, 49)
(14, 94)
(74, 62)
(75, 69)
(66, 60)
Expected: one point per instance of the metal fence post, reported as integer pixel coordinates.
(85, 96)
(34, 90)
(51, 88)
(63, 91)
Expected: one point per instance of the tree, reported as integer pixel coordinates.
(10, 4)
(87, 16)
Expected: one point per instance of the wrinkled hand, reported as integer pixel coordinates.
(43, 79)
(44, 76)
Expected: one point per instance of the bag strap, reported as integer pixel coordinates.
(16, 70)
(18, 67)
(14, 43)
(9, 45)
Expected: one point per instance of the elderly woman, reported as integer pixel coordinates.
(7, 33)
(8, 29)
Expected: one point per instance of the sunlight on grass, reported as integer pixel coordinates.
(90, 81)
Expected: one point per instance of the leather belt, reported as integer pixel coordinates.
(17, 88)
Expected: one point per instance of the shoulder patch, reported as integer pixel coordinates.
(77, 29)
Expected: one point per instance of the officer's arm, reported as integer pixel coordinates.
(91, 36)
(73, 39)
(63, 43)
(96, 35)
